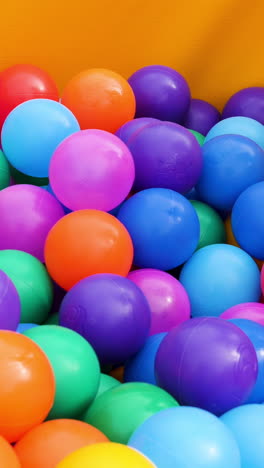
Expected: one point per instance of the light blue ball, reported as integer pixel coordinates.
(244, 126)
(247, 424)
(255, 333)
(220, 276)
(186, 437)
(231, 163)
(22, 327)
(164, 228)
(32, 132)
(141, 367)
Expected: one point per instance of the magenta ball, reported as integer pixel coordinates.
(168, 300)
(10, 307)
(248, 102)
(249, 310)
(128, 130)
(91, 169)
(27, 214)
(201, 116)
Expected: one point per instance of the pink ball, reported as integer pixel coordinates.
(27, 214)
(168, 300)
(92, 169)
(249, 310)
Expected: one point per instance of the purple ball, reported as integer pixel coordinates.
(27, 214)
(208, 363)
(248, 102)
(166, 155)
(111, 313)
(10, 307)
(128, 130)
(160, 92)
(201, 116)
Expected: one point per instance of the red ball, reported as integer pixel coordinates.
(21, 83)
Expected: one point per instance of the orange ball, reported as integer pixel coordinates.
(27, 385)
(100, 99)
(8, 458)
(84, 243)
(49, 443)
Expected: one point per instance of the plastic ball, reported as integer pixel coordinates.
(161, 93)
(255, 332)
(247, 220)
(28, 385)
(119, 411)
(53, 319)
(106, 455)
(100, 99)
(75, 366)
(22, 327)
(49, 443)
(168, 300)
(31, 133)
(212, 227)
(178, 437)
(249, 311)
(106, 382)
(199, 137)
(10, 307)
(231, 163)
(248, 102)
(111, 313)
(165, 155)
(4, 172)
(207, 362)
(247, 425)
(129, 129)
(243, 126)
(106, 163)
(21, 83)
(218, 277)
(164, 228)
(32, 283)
(27, 214)
(8, 457)
(201, 116)
(141, 367)
(84, 243)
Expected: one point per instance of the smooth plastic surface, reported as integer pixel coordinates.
(8, 457)
(130, 128)
(249, 310)
(4, 171)
(84, 243)
(164, 228)
(10, 306)
(201, 116)
(179, 437)
(209, 363)
(212, 228)
(248, 102)
(218, 277)
(121, 410)
(111, 313)
(243, 126)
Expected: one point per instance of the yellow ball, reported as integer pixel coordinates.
(106, 455)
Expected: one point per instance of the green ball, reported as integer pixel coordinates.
(75, 366)
(4, 171)
(119, 411)
(32, 282)
(106, 382)
(21, 178)
(212, 227)
(199, 137)
(52, 319)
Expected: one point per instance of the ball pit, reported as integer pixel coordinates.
(201, 116)
(216, 371)
(243, 126)
(119, 411)
(168, 300)
(199, 137)
(248, 102)
(107, 164)
(4, 171)
(130, 128)
(117, 325)
(212, 228)
(8, 457)
(249, 311)
(10, 307)
(49, 443)
(84, 243)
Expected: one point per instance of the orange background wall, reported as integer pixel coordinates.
(217, 44)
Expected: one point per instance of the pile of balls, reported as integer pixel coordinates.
(131, 273)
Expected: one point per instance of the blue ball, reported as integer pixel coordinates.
(141, 367)
(231, 163)
(186, 437)
(220, 276)
(164, 228)
(32, 132)
(244, 126)
(49, 189)
(247, 424)
(255, 333)
(22, 327)
(192, 195)
(248, 220)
